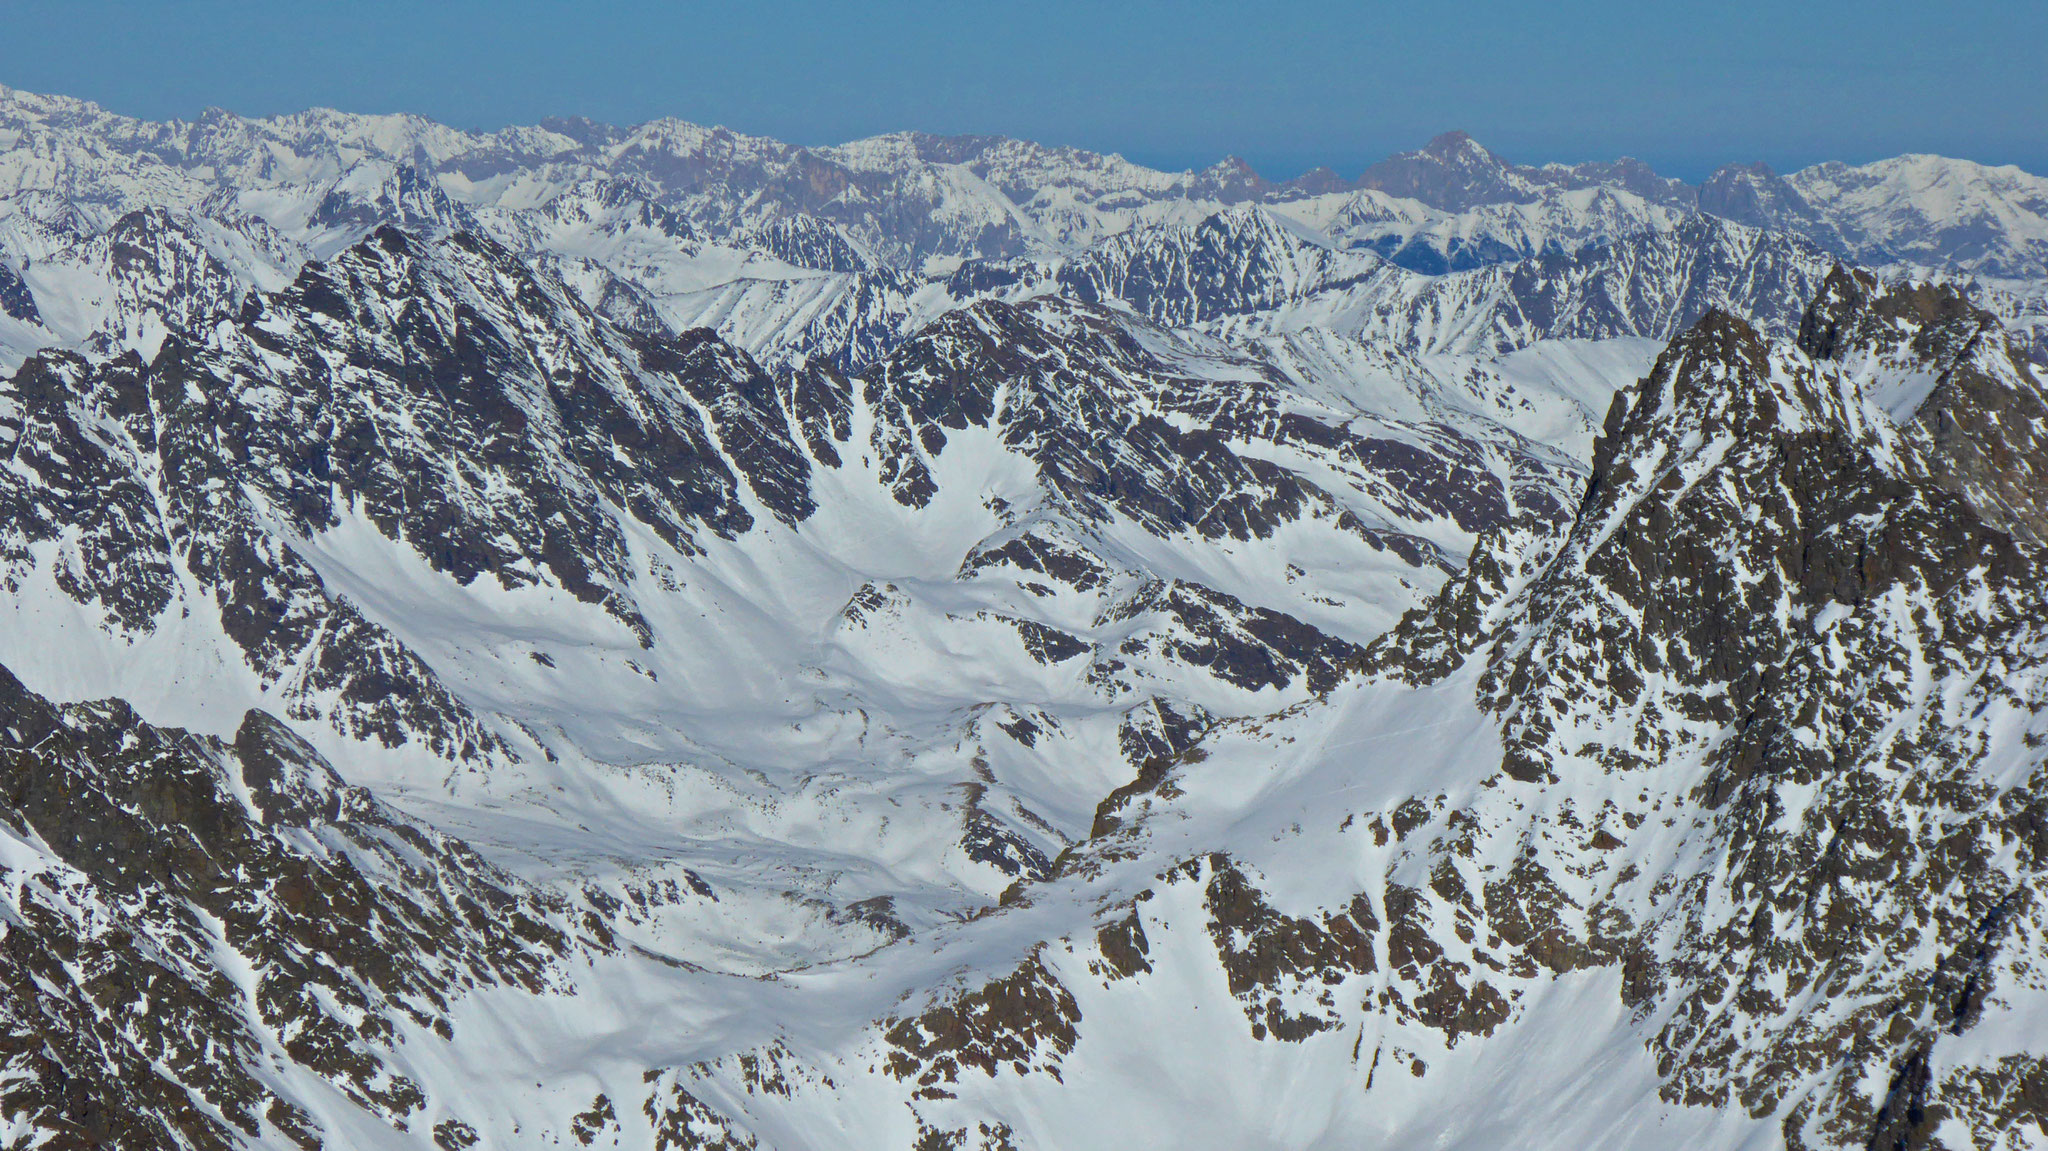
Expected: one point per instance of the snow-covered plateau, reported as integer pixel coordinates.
(662, 639)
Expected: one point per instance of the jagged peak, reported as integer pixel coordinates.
(393, 263)
(809, 241)
(1452, 172)
(1456, 144)
(1723, 338)
(1720, 391)
(1247, 222)
(1250, 217)
(1755, 168)
(1852, 297)
(1232, 165)
(1723, 373)
(140, 223)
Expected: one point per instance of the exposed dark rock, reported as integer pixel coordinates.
(462, 402)
(15, 298)
(878, 913)
(1267, 955)
(1987, 407)
(1124, 946)
(987, 840)
(1793, 675)
(158, 871)
(599, 1119)
(1246, 647)
(1024, 1021)
(809, 242)
(682, 1122)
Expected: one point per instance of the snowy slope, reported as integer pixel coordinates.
(1769, 887)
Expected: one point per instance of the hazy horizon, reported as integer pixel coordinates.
(1685, 88)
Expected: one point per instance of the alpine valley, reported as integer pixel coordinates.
(663, 639)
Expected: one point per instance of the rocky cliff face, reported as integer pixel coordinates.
(1778, 588)
(249, 508)
(1950, 370)
(216, 943)
(1741, 746)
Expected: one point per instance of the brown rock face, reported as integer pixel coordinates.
(1987, 410)
(162, 873)
(1025, 1021)
(1266, 953)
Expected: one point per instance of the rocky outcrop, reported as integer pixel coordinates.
(459, 401)
(1024, 1021)
(1766, 755)
(1962, 381)
(185, 915)
(15, 298)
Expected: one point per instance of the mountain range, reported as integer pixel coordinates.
(659, 638)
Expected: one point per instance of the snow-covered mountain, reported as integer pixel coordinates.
(656, 638)
(841, 252)
(924, 203)
(1922, 211)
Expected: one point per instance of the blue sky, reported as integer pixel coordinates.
(1684, 85)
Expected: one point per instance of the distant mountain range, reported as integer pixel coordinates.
(839, 252)
(913, 198)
